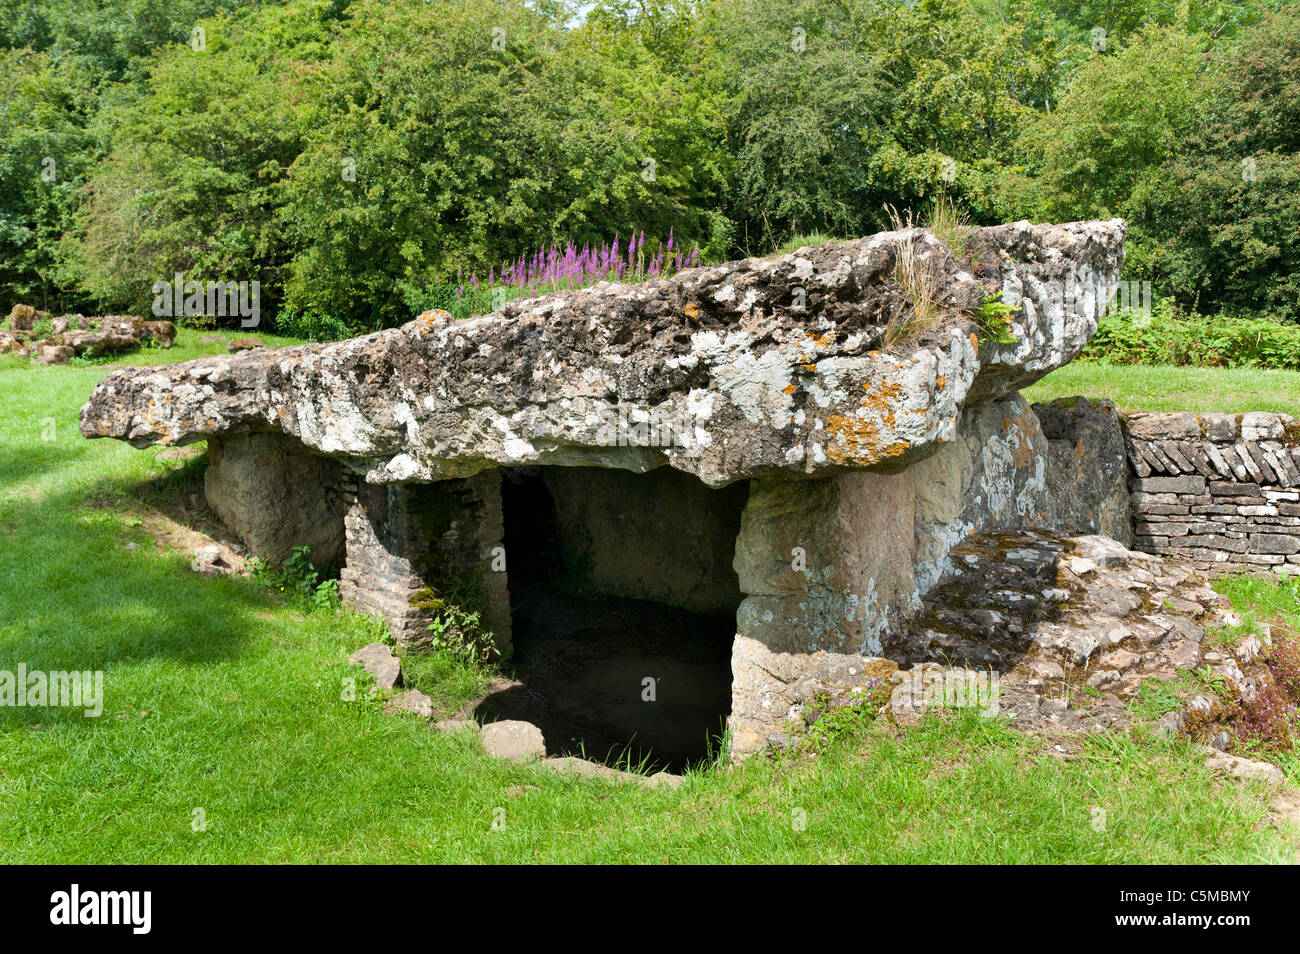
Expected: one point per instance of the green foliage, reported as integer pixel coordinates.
(1169, 337)
(355, 159)
(833, 724)
(191, 184)
(833, 110)
(457, 602)
(994, 320)
(466, 154)
(1125, 112)
(297, 577)
(112, 38)
(1222, 211)
(45, 148)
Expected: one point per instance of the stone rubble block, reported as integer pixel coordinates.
(378, 660)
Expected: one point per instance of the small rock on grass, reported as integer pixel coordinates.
(514, 739)
(1247, 769)
(379, 661)
(414, 701)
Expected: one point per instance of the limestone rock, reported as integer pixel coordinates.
(762, 367)
(1126, 617)
(112, 334)
(243, 344)
(379, 661)
(514, 739)
(1087, 467)
(53, 354)
(23, 317)
(215, 560)
(413, 701)
(775, 695)
(1246, 769)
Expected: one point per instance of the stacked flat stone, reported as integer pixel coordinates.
(1221, 490)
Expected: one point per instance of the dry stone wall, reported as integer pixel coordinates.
(1220, 490)
(403, 540)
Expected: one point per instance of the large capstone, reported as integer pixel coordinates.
(769, 367)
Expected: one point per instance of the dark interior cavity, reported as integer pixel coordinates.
(623, 605)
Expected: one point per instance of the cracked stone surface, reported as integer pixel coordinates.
(760, 367)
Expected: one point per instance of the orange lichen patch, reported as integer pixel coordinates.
(1022, 452)
(879, 669)
(940, 382)
(974, 341)
(692, 310)
(821, 341)
(890, 393)
(790, 389)
(810, 366)
(429, 319)
(858, 441)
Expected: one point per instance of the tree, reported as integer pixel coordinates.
(1124, 114)
(197, 155)
(448, 137)
(1224, 210)
(45, 149)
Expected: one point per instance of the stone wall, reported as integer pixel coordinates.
(276, 495)
(406, 541)
(1220, 490)
(660, 536)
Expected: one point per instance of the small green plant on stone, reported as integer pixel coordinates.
(456, 601)
(836, 722)
(462, 633)
(994, 320)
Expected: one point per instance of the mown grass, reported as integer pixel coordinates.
(221, 697)
(1158, 388)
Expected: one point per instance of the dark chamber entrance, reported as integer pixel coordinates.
(623, 605)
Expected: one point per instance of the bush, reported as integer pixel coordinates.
(1172, 338)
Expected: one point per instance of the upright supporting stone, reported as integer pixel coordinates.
(276, 495)
(407, 544)
(826, 564)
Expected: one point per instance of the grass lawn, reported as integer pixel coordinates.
(1157, 388)
(223, 705)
